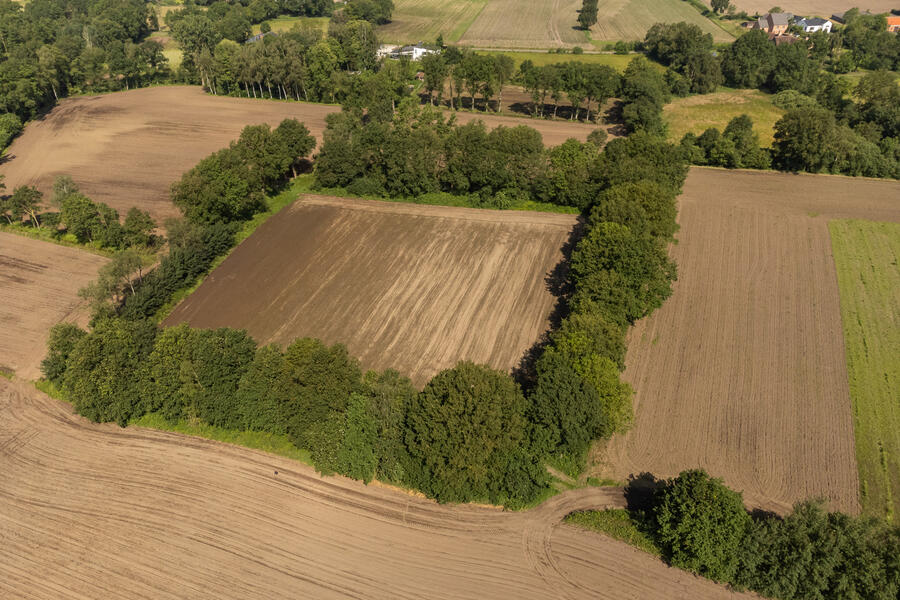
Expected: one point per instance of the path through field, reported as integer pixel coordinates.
(39, 284)
(127, 148)
(742, 371)
(95, 511)
(412, 287)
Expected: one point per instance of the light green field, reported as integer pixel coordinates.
(630, 19)
(696, 114)
(867, 258)
(424, 20)
(283, 23)
(616, 61)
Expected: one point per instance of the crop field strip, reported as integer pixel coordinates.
(867, 256)
(630, 19)
(742, 370)
(412, 287)
(532, 24)
(39, 284)
(126, 148)
(99, 511)
(425, 20)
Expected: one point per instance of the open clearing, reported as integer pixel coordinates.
(127, 148)
(696, 114)
(413, 287)
(424, 20)
(529, 24)
(39, 284)
(630, 19)
(742, 370)
(867, 256)
(96, 511)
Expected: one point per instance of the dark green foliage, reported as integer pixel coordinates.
(639, 158)
(568, 178)
(100, 376)
(322, 380)
(805, 140)
(611, 258)
(748, 62)
(587, 16)
(391, 395)
(737, 147)
(700, 524)
(262, 392)
(229, 185)
(374, 11)
(462, 430)
(10, 127)
(63, 339)
(687, 50)
(357, 456)
(644, 207)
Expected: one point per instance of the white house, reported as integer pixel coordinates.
(413, 52)
(813, 25)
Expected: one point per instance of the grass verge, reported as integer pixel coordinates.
(45, 234)
(267, 442)
(867, 259)
(617, 523)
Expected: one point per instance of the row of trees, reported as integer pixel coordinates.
(811, 554)
(86, 221)
(472, 433)
(575, 81)
(587, 16)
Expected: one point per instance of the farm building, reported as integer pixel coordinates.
(774, 23)
(413, 52)
(814, 24)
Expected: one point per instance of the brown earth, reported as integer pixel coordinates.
(96, 511)
(126, 148)
(412, 287)
(39, 284)
(742, 370)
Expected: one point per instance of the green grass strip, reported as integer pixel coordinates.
(867, 258)
(617, 523)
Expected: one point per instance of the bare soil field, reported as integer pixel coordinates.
(127, 148)
(630, 19)
(96, 511)
(742, 371)
(413, 287)
(530, 24)
(822, 8)
(39, 284)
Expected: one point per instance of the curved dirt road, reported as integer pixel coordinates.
(95, 511)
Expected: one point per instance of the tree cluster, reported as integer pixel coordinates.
(86, 221)
(462, 70)
(811, 554)
(587, 16)
(735, 148)
(688, 52)
(50, 48)
(377, 12)
(579, 83)
(230, 185)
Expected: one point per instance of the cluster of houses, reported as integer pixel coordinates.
(414, 52)
(778, 24)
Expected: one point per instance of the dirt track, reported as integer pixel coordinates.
(39, 284)
(95, 511)
(407, 286)
(742, 370)
(127, 148)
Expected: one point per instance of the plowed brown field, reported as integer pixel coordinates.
(742, 370)
(127, 148)
(96, 511)
(39, 284)
(407, 286)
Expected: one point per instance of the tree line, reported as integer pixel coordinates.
(701, 525)
(376, 424)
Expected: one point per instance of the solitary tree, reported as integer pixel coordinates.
(720, 6)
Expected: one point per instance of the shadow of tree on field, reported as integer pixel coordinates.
(557, 283)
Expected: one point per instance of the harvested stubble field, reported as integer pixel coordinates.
(529, 24)
(127, 148)
(742, 370)
(412, 287)
(867, 256)
(39, 284)
(630, 19)
(96, 511)
(425, 20)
